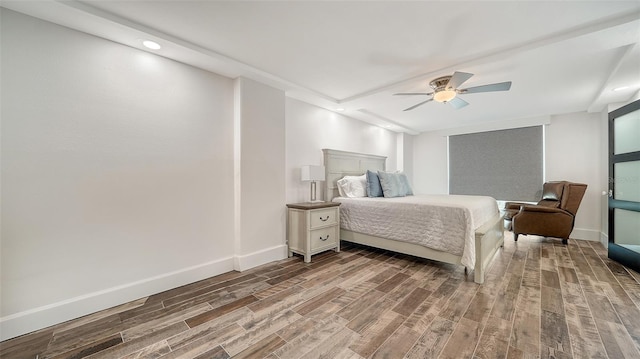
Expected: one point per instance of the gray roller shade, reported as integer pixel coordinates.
(505, 164)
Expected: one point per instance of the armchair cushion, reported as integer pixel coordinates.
(552, 194)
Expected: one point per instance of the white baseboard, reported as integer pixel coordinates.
(248, 261)
(586, 234)
(37, 318)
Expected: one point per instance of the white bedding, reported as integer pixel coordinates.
(443, 222)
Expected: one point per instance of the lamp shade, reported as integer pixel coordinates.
(312, 173)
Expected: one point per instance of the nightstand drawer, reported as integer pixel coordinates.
(324, 237)
(324, 217)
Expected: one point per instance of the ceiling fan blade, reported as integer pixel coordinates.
(419, 104)
(502, 86)
(457, 79)
(457, 103)
(414, 93)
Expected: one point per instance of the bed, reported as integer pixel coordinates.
(478, 233)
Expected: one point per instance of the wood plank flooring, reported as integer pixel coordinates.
(541, 299)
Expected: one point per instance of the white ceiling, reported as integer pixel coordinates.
(562, 56)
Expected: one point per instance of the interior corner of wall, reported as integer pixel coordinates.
(237, 169)
(258, 258)
(604, 239)
(236, 263)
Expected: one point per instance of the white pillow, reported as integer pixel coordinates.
(352, 186)
(340, 183)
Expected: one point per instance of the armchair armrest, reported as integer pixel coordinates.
(513, 208)
(515, 205)
(543, 209)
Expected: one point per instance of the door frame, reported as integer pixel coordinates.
(625, 256)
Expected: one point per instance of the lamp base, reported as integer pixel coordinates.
(313, 193)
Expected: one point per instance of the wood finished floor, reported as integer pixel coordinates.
(540, 300)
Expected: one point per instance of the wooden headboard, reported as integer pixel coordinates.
(338, 164)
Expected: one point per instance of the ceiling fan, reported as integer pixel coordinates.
(445, 89)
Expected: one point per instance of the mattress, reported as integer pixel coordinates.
(442, 222)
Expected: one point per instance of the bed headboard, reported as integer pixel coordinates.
(338, 164)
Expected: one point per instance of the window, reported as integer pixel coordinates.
(506, 164)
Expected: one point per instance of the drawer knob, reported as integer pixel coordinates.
(324, 219)
(325, 238)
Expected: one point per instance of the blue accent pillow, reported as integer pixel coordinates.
(374, 189)
(391, 184)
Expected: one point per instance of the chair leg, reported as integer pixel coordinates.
(515, 237)
(565, 241)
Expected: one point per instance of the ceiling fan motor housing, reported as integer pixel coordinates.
(440, 83)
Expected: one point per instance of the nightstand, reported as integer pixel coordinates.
(313, 227)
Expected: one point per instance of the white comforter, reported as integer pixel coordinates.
(443, 222)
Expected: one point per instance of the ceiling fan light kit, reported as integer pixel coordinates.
(444, 95)
(445, 89)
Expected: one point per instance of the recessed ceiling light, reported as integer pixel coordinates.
(620, 88)
(151, 45)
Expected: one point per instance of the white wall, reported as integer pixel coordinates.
(117, 174)
(260, 163)
(309, 129)
(404, 154)
(125, 174)
(572, 152)
(430, 164)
